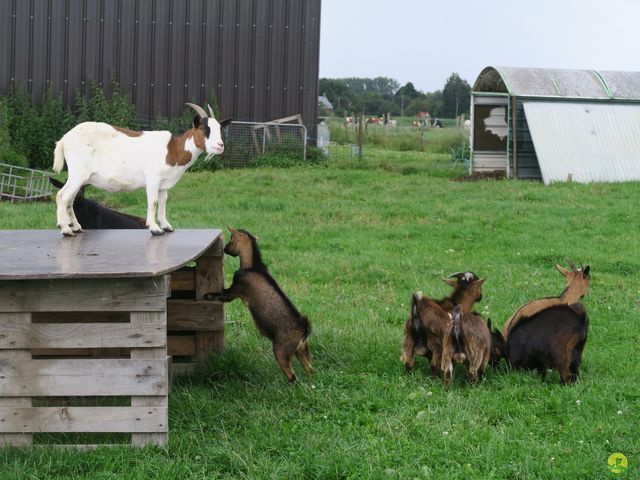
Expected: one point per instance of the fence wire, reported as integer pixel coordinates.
(23, 184)
(246, 142)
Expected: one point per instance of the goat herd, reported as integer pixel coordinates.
(545, 333)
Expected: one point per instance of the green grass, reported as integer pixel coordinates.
(349, 243)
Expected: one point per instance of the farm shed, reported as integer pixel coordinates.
(554, 124)
(260, 58)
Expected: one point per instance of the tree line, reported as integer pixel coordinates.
(380, 95)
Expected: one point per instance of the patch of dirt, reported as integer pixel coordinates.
(475, 176)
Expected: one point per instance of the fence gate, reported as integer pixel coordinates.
(246, 142)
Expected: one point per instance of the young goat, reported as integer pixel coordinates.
(92, 215)
(274, 314)
(578, 281)
(117, 160)
(551, 338)
(467, 340)
(425, 328)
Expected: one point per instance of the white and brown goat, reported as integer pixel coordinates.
(117, 159)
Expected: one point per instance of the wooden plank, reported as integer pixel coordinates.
(194, 315)
(45, 254)
(80, 317)
(80, 352)
(18, 438)
(183, 280)
(83, 419)
(181, 345)
(74, 377)
(209, 278)
(151, 401)
(95, 295)
(17, 334)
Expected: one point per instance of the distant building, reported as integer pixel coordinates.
(326, 105)
(557, 125)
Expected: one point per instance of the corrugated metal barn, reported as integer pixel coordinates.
(558, 125)
(259, 57)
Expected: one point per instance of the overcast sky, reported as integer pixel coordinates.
(424, 41)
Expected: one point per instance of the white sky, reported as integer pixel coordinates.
(424, 41)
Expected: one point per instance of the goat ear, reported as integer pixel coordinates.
(450, 282)
(196, 121)
(224, 123)
(585, 272)
(562, 270)
(480, 281)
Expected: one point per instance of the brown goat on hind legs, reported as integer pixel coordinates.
(274, 314)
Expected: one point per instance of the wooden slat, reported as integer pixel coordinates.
(19, 356)
(83, 419)
(139, 319)
(72, 377)
(17, 334)
(80, 317)
(80, 352)
(183, 280)
(181, 345)
(209, 278)
(194, 315)
(91, 295)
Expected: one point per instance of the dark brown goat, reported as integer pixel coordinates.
(467, 340)
(428, 320)
(552, 338)
(578, 281)
(91, 215)
(274, 314)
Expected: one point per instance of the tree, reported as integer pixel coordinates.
(338, 93)
(417, 105)
(455, 96)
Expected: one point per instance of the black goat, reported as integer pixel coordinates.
(552, 338)
(91, 215)
(274, 314)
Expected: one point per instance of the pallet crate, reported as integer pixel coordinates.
(84, 349)
(18, 184)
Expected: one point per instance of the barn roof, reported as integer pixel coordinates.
(560, 83)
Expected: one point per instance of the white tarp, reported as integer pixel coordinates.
(592, 142)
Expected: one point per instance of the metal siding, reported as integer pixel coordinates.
(143, 69)
(245, 36)
(592, 142)
(38, 77)
(277, 53)
(260, 61)
(294, 35)
(259, 57)
(195, 47)
(6, 44)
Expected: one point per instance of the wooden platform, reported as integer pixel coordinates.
(100, 315)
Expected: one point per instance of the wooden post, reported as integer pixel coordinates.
(514, 141)
(361, 135)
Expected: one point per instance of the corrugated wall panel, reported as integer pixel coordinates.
(6, 44)
(40, 48)
(244, 64)
(591, 142)
(259, 57)
(143, 65)
(261, 60)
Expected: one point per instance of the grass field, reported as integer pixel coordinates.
(349, 243)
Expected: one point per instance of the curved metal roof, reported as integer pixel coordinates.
(551, 82)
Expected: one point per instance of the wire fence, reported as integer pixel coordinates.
(24, 184)
(247, 142)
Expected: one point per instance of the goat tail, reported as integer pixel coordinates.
(457, 330)
(58, 157)
(306, 328)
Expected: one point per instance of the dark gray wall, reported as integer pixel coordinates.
(259, 57)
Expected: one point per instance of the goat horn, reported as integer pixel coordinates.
(211, 114)
(571, 264)
(198, 109)
(456, 275)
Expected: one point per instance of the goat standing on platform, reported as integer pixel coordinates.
(116, 159)
(274, 314)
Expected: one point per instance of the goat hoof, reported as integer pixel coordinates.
(168, 229)
(68, 233)
(156, 232)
